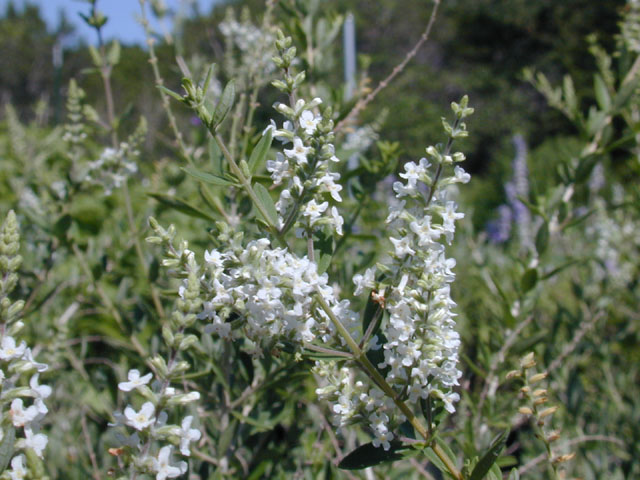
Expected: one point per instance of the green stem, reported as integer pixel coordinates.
(367, 366)
(246, 184)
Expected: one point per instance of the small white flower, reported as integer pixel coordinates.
(214, 258)
(298, 152)
(39, 392)
(28, 357)
(18, 470)
(402, 246)
(135, 380)
(383, 438)
(338, 221)
(9, 350)
(142, 419)
(460, 175)
(162, 465)
(309, 122)
(330, 186)
(37, 442)
(365, 281)
(313, 210)
(21, 416)
(188, 435)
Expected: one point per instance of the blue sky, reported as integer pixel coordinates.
(121, 13)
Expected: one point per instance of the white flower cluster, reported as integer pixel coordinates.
(17, 362)
(419, 341)
(149, 424)
(305, 169)
(272, 290)
(615, 233)
(254, 44)
(113, 168)
(630, 25)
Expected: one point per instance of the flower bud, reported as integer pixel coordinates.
(548, 411)
(528, 361)
(538, 377)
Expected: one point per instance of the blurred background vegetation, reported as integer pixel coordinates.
(478, 46)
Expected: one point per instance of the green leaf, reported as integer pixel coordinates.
(6, 446)
(264, 197)
(181, 206)
(510, 321)
(226, 437)
(171, 93)
(216, 158)
(529, 279)
(260, 151)
(433, 458)
(95, 56)
(113, 57)
(558, 269)
(570, 95)
(489, 458)
(367, 456)
(624, 94)
(514, 475)
(542, 238)
(208, 178)
(602, 94)
(224, 105)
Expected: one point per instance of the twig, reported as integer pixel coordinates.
(92, 454)
(362, 103)
(491, 384)
(585, 326)
(585, 438)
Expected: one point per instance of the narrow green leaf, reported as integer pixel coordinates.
(367, 456)
(558, 269)
(216, 158)
(95, 56)
(570, 95)
(260, 151)
(514, 475)
(602, 94)
(506, 303)
(6, 446)
(433, 458)
(267, 203)
(227, 437)
(489, 458)
(207, 177)
(207, 80)
(529, 279)
(224, 105)
(542, 238)
(113, 57)
(625, 93)
(181, 206)
(171, 93)
(323, 260)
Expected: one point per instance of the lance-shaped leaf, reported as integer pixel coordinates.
(224, 105)
(266, 202)
(7, 446)
(260, 151)
(208, 178)
(181, 206)
(489, 458)
(367, 455)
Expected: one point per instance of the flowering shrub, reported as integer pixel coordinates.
(294, 311)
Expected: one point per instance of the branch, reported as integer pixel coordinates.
(362, 103)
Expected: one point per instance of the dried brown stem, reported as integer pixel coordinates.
(362, 103)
